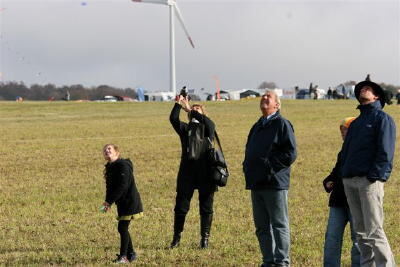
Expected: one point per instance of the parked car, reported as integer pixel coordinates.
(303, 94)
(110, 98)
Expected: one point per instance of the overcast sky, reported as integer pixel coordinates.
(243, 43)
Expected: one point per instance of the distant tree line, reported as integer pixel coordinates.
(12, 90)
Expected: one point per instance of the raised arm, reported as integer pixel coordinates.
(174, 119)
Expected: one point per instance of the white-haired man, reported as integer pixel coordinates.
(270, 150)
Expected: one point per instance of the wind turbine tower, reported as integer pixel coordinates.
(173, 11)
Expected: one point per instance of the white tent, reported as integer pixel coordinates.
(159, 96)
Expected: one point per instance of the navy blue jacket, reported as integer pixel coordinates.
(368, 148)
(270, 150)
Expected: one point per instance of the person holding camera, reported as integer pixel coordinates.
(195, 138)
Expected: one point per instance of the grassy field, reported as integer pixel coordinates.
(51, 173)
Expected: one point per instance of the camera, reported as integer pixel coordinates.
(183, 92)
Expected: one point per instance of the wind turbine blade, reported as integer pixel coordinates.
(180, 18)
(163, 2)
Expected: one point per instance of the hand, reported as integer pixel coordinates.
(178, 99)
(185, 103)
(329, 185)
(106, 206)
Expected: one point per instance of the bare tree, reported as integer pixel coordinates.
(269, 85)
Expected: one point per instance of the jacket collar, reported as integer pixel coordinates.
(376, 105)
(273, 117)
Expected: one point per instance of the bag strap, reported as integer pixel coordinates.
(218, 142)
(220, 147)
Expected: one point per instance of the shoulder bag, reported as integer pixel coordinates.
(218, 168)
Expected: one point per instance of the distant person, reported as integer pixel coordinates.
(270, 150)
(398, 97)
(315, 89)
(344, 92)
(388, 97)
(339, 214)
(335, 94)
(121, 190)
(67, 96)
(194, 169)
(311, 90)
(329, 93)
(366, 162)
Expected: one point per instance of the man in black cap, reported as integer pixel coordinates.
(366, 163)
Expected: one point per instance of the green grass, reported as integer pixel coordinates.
(51, 173)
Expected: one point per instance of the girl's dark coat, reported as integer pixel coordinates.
(193, 174)
(337, 197)
(121, 187)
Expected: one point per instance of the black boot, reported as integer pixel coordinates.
(176, 240)
(179, 222)
(205, 227)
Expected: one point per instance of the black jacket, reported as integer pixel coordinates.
(121, 187)
(193, 174)
(337, 197)
(270, 150)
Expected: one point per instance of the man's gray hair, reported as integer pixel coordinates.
(277, 98)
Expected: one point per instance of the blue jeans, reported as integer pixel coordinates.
(271, 219)
(337, 221)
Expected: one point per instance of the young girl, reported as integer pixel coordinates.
(339, 215)
(121, 189)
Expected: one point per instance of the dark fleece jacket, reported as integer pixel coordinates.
(121, 188)
(337, 197)
(193, 174)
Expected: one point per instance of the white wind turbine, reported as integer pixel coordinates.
(173, 10)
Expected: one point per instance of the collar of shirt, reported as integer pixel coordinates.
(265, 119)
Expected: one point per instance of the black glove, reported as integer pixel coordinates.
(329, 178)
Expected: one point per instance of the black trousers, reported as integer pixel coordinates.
(126, 241)
(183, 198)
